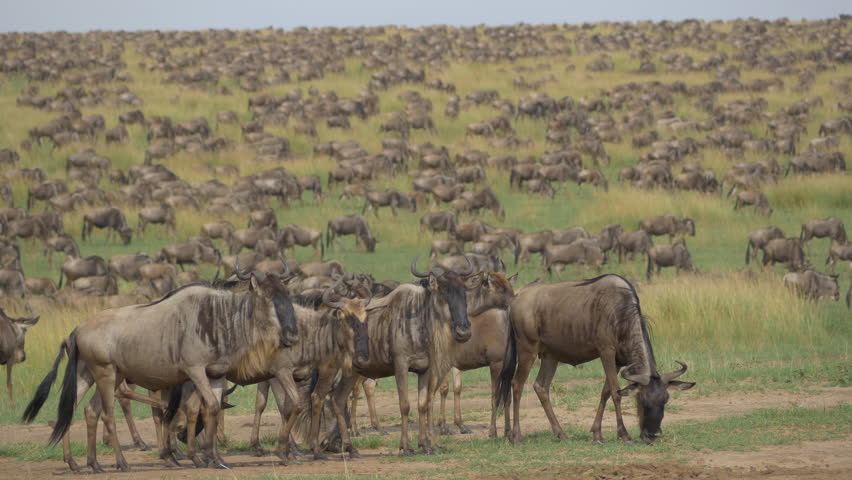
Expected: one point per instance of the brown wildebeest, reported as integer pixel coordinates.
(830, 227)
(676, 255)
(480, 263)
(839, 251)
(12, 333)
(293, 235)
(264, 217)
(389, 198)
(579, 251)
(40, 286)
(12, 280)
(668, 225)
(412, 329)
(128, 265)
(577, 322)
(45, 191)
(350, 225)
(813, 285)
(160, 215)
(29, 227)
(209, 332)
(568, 235)
(758, 239)
(439, 222)
(189, 252)
(446, 247)
(788, 251)
(95, 286)
(529, 243)
(312, 183)
(249, 238)
(61, 243)
(485, 199)
(222, 229)
(110, 218)
(758, 199)
(75, 268)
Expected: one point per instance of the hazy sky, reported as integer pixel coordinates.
(81, 15)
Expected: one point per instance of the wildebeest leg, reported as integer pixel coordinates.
(212, 413)
(442, 421)
(370, 393)
(401, 374)
(318, 396)
(596, 426)
(9, 383)
(611, 371)
(423, 405)
(457, 388)
(107, 381)
(526, 359)
(92, 412)
(345, 387)
(168, 450)
(131, 424)
(260, 400)
(210, 410)
(287, 397)
(495, 368)
(542, 388)
(84, 383)
(353, 407)
(191, 407)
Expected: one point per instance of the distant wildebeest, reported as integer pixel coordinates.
(293, 235)
(75, 268)
(312, 183)
(127, 265)
(389, 198)
(350, 225)
(160, 214)
(63, 244)
(12, 336)
(129, 343)
(788, 251)
(758, 239)
(579, 251)
(110, 218)
(757, 199)
(529, 243)
(445, 247)
(675, 255)
(249, 238)
(577, 322)
(479, 263)
(222, 229)
(264, 217)
(830, 227)
(813, 285)
(189, 253)
(668, 225)
(839, 251)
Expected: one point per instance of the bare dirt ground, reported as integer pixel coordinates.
(832, 459)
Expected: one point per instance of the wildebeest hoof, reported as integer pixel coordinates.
(219, 465)
(428, 450)
(142, 446)
(196, 460)
(464, 430)
(320, 456)
(257, 451)
(445, 430)
(406, 452)
(382, 431)
(73, 465)
(354, 453)
(96, 467)
(598, 441)
(170, 461)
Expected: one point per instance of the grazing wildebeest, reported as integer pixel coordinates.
(830, 227)
(160, 215)
(12, 280)
(195, 334)
(110, 218)
(577, 322)
(758, 239)
(75, 268)
(758, 199)
(413, 329)
(439, 222)
(189, 253)
(350, 225)
(389, 198)
(578, 251)
(63, 243)
(839, 251)
(813, 285)
(788, 251)
(675, 255)
(12, 333)
(668, 225)
(293, 235)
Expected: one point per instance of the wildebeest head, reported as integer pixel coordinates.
(19, 326)
(489, 290)
(450, 286)
(126, 234)
(352, 314)
(651, 397)
(273, 287)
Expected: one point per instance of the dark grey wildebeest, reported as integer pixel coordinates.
(758, 239)
(110, 218)
(439, 222)
(351, 225)
(813, 285)
(676, 255)
(575, 323)
(668, 225)
(788, 251)
(195, 334)
(12, 336)
(830, 227)
(75, 268)
(839, 251)
(389, 198)
(159, 215)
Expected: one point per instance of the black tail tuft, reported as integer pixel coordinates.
(43, 390)
(68, 397)
(175, 394)
(510, 363)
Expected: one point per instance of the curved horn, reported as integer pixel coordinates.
(667, 377)
(470, 268)
(414, 269)
(286, 266)
(237, 269)
(326, 299)
(640, 379)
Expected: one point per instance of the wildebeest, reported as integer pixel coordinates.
(160, 214)
(312, 183)
(532, 243)
(40, 286)
(450, 247)
(293, 235)
(830, 227)
(479, 263)
(350, 225)
(414, 328)
(249, 238)
(788, 251)
(264, 217)
(195, 334)
(189, 253)
(389, 198)
(757, 199)
(676, 255)
(574, 323)
(222, 229)
(758, 239)
(813, 285)
(110, 218)
(12, 336)
(127, 265)
(61, 243)
(75, 268)
(839, 251)
(668, 225)
(578, 251)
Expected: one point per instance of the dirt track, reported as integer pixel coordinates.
(809, 460)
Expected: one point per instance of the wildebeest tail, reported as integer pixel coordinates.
(68, 397)
(175, 394)
(43, 390)
(510, 363)
(650, 266)
(748, 251)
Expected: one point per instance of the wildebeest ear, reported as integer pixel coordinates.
(678, 385)
(475, 280)
(253, 283)
(629, 390)
(513, 278)
(433, 282)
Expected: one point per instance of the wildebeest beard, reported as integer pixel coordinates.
(286, 318)
(456, 298)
